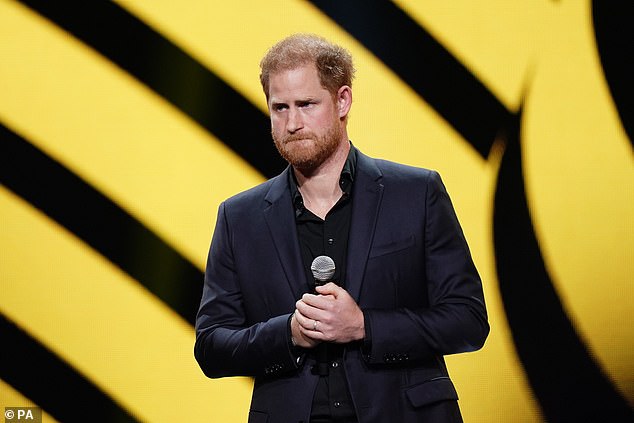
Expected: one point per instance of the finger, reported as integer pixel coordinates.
(313, 315)
(305, 309)
(305, 323)
(329, 289)
(314, 331)
(320, 302)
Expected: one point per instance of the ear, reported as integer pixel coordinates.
(343, 101)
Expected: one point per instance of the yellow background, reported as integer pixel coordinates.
(169, 173)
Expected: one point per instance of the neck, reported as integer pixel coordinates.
(320, 186)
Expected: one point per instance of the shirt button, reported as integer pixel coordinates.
(331, 241)
(334, 364)
(337, 404)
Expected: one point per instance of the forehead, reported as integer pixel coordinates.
(302, 81)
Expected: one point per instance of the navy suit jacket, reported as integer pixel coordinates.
(409, 269)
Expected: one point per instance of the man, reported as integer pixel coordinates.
(368, 346)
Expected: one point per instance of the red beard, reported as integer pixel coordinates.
(305, 150)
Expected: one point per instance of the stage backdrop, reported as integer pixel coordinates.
(124, 124)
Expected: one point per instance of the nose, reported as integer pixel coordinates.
(294, 122)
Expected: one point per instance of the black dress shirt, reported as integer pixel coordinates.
(328, 237)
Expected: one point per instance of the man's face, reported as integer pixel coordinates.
(305, 123)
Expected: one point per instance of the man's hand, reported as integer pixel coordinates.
(299, 338)
(331, 316)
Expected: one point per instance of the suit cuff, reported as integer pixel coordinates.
(296, 352)
(366, 347)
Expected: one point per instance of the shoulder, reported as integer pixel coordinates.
(389, 170)
(247, 197)
(400, 180)
(265, 192)
(398, 170)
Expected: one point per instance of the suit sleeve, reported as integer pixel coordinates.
(226, 344)
(455, 320)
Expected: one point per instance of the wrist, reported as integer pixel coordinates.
(361, 330)
(290, 330)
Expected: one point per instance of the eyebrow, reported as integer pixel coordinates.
(278, 103)
(300, 100)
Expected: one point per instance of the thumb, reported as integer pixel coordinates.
(329, 289)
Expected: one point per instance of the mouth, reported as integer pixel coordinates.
(296, 139)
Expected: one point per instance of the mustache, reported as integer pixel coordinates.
(297, 137)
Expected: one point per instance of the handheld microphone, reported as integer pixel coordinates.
(323, 268)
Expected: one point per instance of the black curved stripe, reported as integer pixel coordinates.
(425, 65)
(170, 72)
(50, 382)
(614, 32)
(565, 378)
(100, 223)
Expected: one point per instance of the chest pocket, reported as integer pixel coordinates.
(392, 247)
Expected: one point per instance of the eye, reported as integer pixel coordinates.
(279, 107)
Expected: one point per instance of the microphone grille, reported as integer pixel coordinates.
(323, 268)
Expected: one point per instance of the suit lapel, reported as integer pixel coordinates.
(280, 219)
(366, 201)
